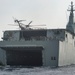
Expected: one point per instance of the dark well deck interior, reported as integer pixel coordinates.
(26, 56)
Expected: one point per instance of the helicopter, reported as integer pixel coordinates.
(23, 26)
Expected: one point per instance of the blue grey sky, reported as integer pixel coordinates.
(53, 13)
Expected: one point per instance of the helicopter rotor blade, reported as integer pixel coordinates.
(30, 22)
(36, 25)
(12, 24)
(21, 20)
(14, 18)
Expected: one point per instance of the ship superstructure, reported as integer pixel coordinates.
(39, 47)
(71, 23)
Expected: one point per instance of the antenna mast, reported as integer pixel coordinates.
(71, 17)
